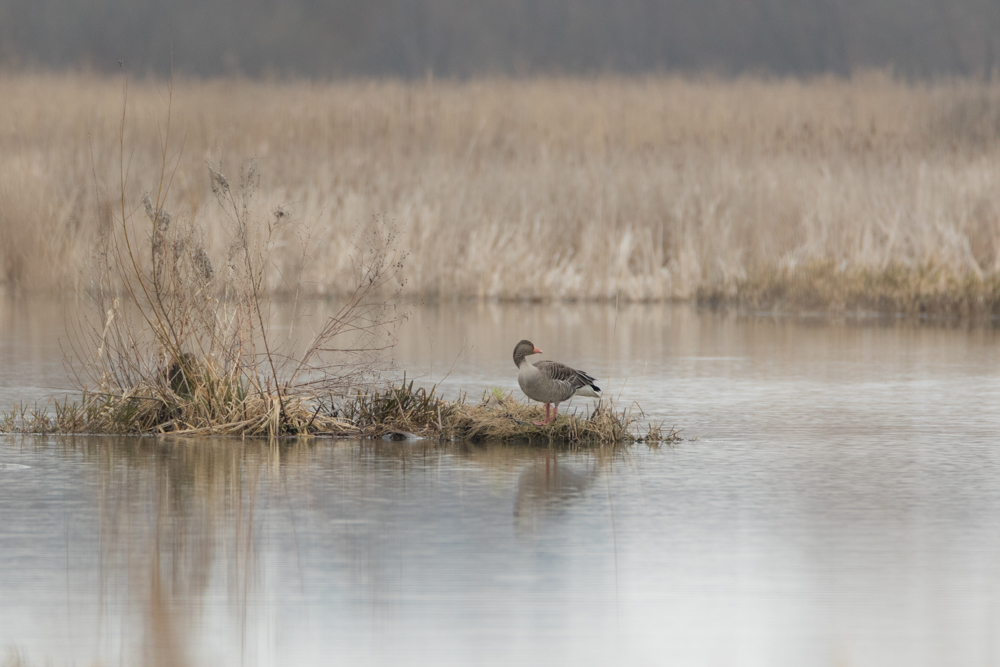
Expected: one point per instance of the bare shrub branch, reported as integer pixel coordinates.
(181, 345)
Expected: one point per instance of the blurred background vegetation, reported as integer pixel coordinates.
(456, 38)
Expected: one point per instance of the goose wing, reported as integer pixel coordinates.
(563, 373)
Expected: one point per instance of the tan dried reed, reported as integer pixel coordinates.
(648, 189)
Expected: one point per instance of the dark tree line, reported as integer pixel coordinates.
(466, 37)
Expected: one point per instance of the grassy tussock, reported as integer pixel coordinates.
(214, 407)
(508, 420)
(647, 189)
(397, 412)
(402, 411)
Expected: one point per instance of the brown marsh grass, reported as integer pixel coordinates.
(868, 193)
(402, 412)
(396, 412)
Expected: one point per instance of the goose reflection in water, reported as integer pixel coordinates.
(547, 488)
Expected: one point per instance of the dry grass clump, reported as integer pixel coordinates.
(214, 406)
(397, 411)
(183, 347)
(503, 418)
(648, 188)
(402, 412)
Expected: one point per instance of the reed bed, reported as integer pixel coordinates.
(921, 290)
(860, 193)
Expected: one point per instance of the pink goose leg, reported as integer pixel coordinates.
(547, 419)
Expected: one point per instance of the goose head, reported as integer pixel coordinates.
(523, 349)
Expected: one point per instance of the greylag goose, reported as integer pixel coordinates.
(550, 382)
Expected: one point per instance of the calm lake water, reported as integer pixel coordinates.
(840, 505)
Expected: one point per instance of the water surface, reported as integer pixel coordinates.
(840, 505)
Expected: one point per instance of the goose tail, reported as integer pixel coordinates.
(591, 390)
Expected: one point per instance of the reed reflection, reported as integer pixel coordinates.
(180, 533)
(214, 544)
